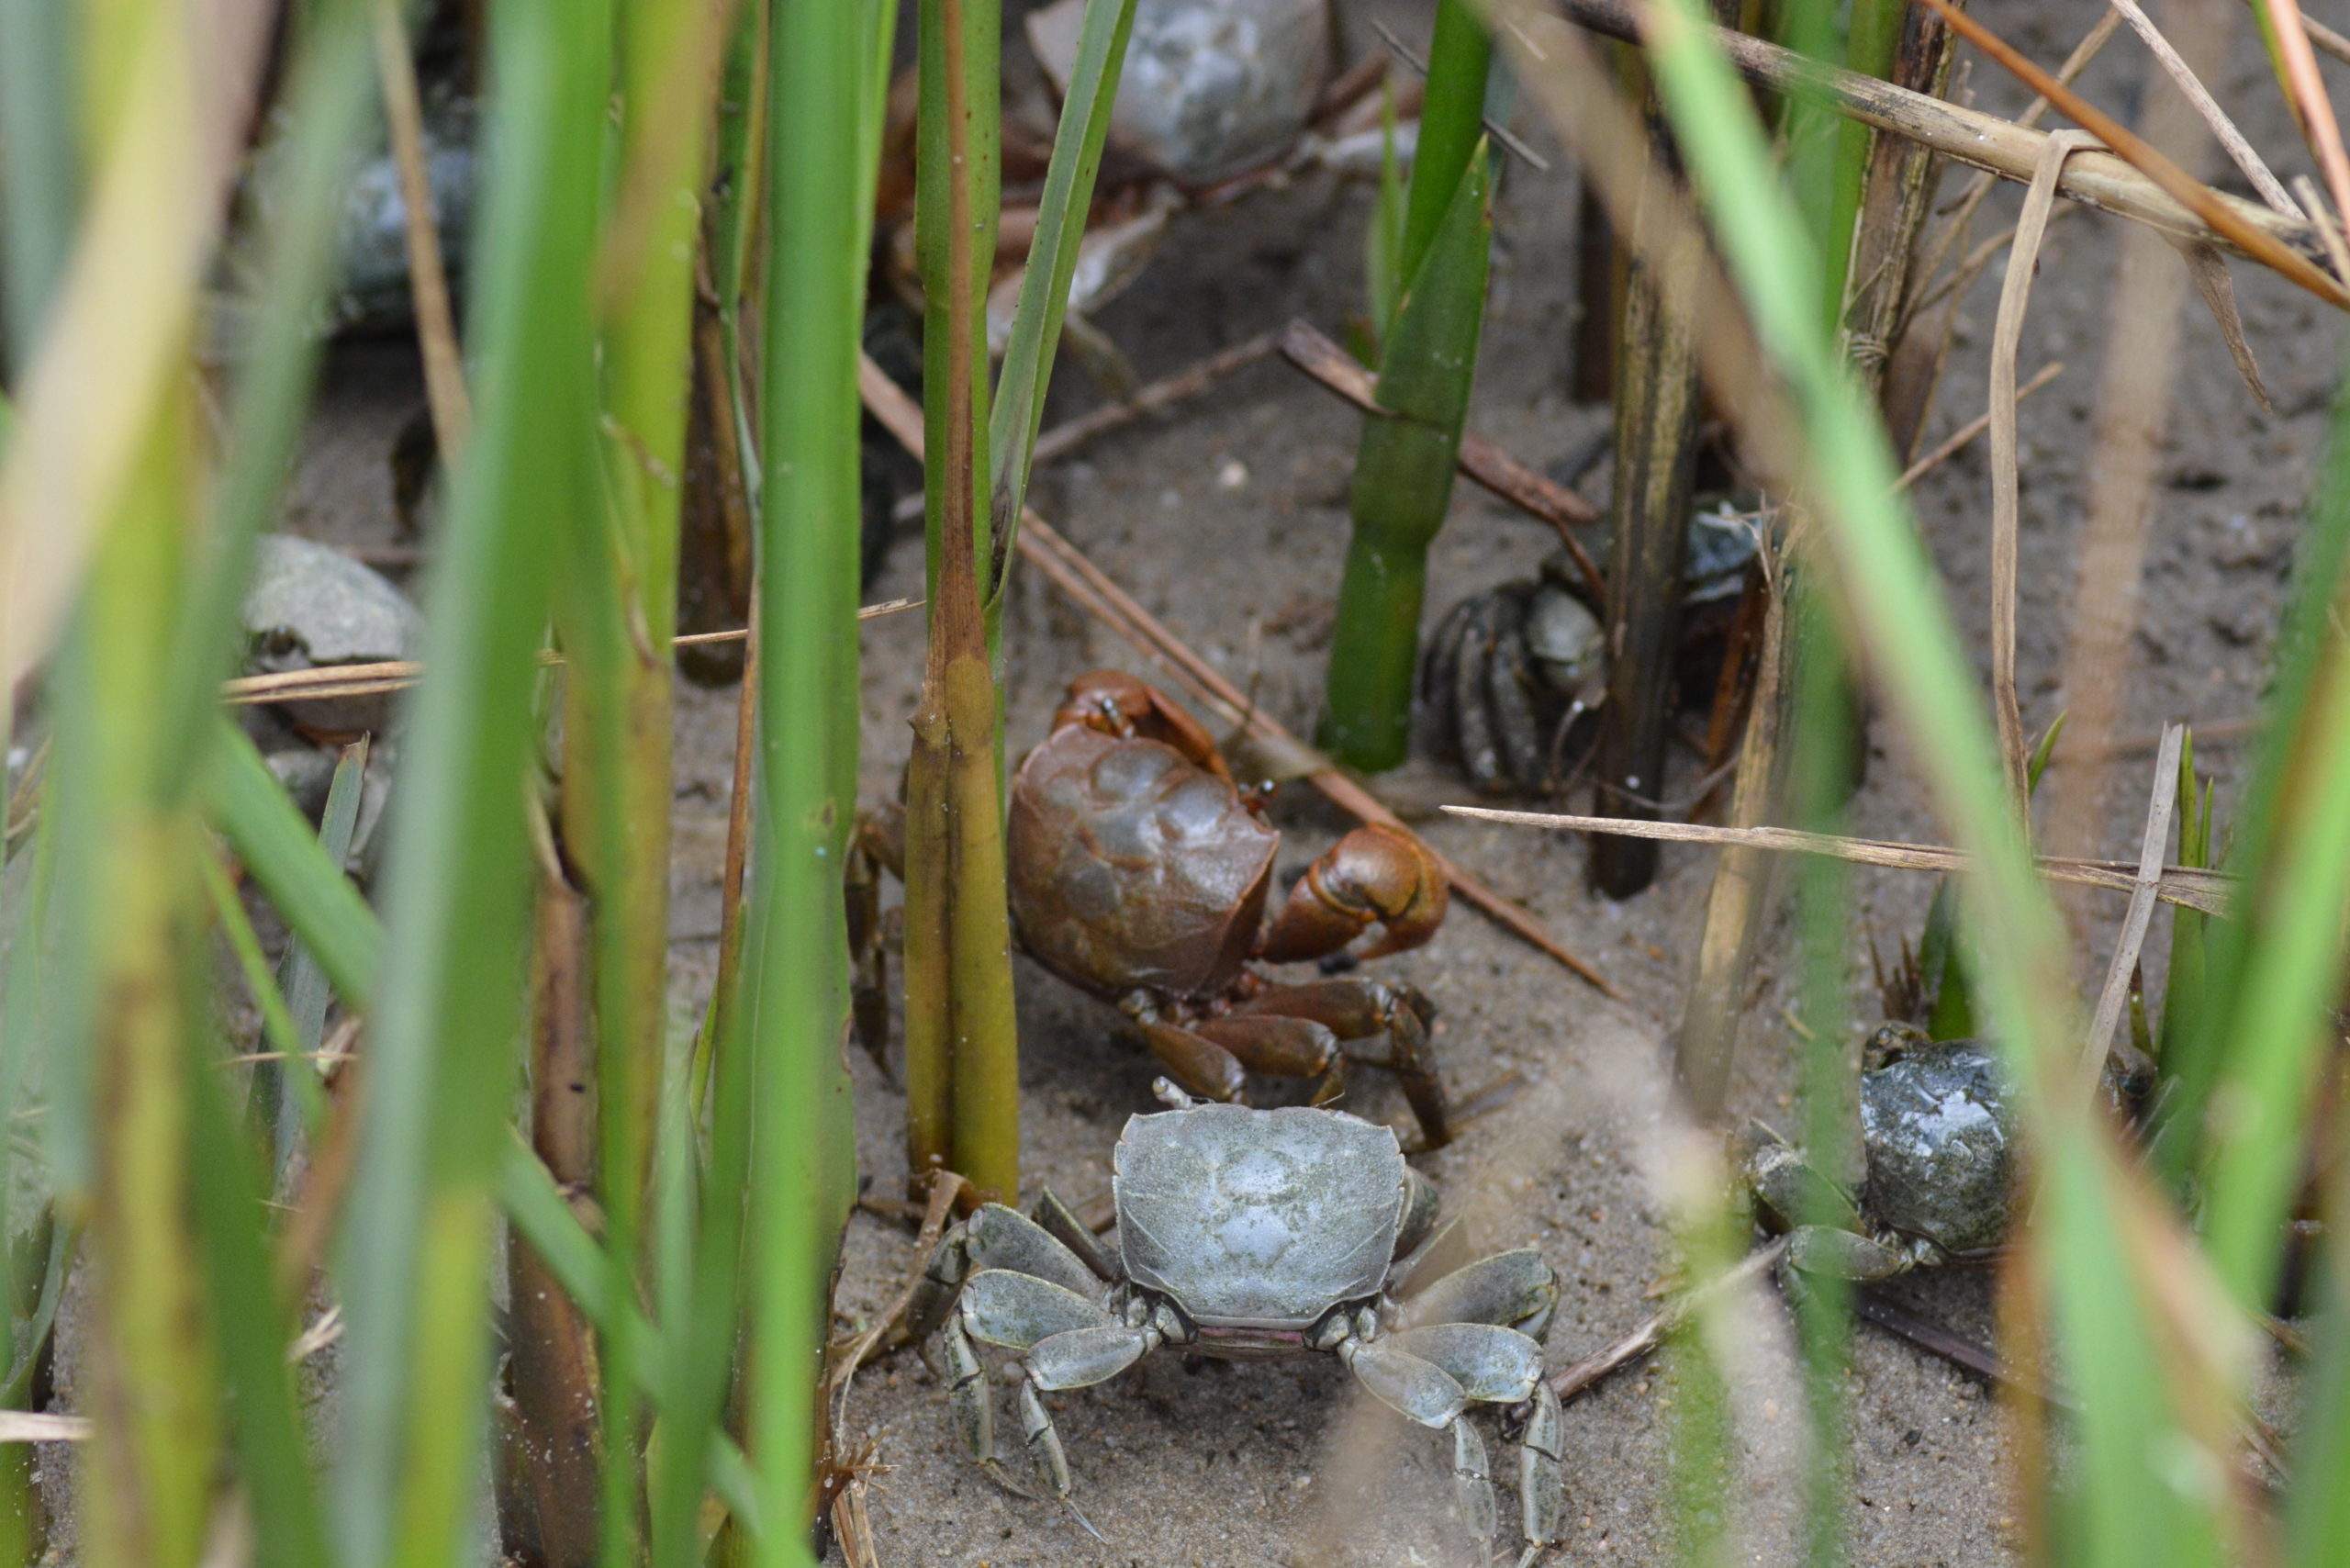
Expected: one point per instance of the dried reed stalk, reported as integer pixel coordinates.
(2192, 887)
(2023, 265)
(2108, 181)
(396, 675)
(2224, 130)
(436, 319)
(2116, 994)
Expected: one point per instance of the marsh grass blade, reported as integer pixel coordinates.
(795, 981)
(442, 1070)
(1428, 360)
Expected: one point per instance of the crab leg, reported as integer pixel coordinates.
(1541, 1479)
(1490, 1364)
(1061, 1222)
(1383, 1023)
(1281, 1045)
(1017, 1311)
(994, 1237)
(966, 1399)
(1419, 1390)
(1472, 1481)
(1199, 1064)
(1844, 1254)
(1516, 1289)
(1044, 1444)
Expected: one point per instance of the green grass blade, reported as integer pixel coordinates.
(39, 186)
(2247, 1088)
(276, 1021)
(2280, 1033)
(308, 991)
(2131, 1427)
(330, 108)
(1402, 483)
(2183, 995)
(795, 976)
(1452, 127)
(285, 857)
(1084, 128)
(2317, 1514)
(1384, 242)
(230, 1191)
(415, 1246)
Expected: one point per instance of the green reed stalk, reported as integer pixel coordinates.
(415, 1242)
(2131, 1420)
(1077, 142)
(2279, 968)
(229, 1185)
(795, 981)
(617, 612)
(647, 307)
(329, 109)
(39, 188)
(1820, 747)
(126, 863)
(962, 1040)
(1404, 468)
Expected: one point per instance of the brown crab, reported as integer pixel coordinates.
(1140, 872)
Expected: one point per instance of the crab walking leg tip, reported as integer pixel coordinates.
(1541, 1478)
(1081, 1520)
(1472, 1482)
(967, 1397)
(1044, 1442)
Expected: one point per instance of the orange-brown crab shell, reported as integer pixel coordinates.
(1133, 868)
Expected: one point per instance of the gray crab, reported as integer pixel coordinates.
(310, 606)
(1937, 1133)
(1247, 1235)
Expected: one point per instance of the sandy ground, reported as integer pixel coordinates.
(1228, 519)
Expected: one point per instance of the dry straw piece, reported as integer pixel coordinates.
(2210, 892)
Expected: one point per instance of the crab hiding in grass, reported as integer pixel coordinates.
(1140, 873)
(1514, 674)
(1249, 1235)
(1937, 1135)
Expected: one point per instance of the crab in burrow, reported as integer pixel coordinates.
(1249, 1235)
(1937, 1182)
(1140, 872)
(1514, 674)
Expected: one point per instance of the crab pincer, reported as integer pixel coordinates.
(1377, 875)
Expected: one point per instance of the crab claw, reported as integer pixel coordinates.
(1377, 875)
(1118, 704)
